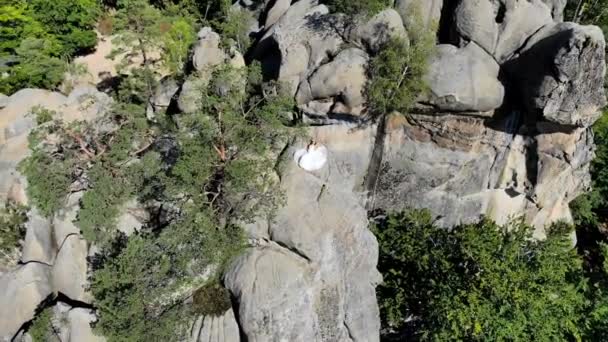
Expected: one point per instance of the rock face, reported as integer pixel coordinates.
(558, 71)
(22, 291)
(15, 126)
(312, 276)
(3, 100)
(343, 79)
(500, 26)
(54, 255)
(39, 244)
(83, 103)
(378, 30)
(215, 329)
(70, 269)
(462, 169)
(464, 80)
(503, 133)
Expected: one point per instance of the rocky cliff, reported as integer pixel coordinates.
(503, 132)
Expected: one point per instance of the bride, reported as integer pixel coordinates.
(313, 157)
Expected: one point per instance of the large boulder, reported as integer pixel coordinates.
(79, 329)
(85, 103)
(299, 42)
(464, 80)
(312, 277)
(500, 26)
(128, 221)
(22, 292)
(69, 324)
(378, 30)
(560, 74)
(271, 287)
(190, 94)
(342, 79)
(163, 96)
(207, 51)
(15, 122)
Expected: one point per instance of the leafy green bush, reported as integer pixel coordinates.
(590, 209)
(42, 329)
(177, 42)
(101, 204)
(211, 299)
(71, 21)
(42, 114)
(17, 23)
(479, 282)
(357, 7)
(137, 25)
(48, 180)
(35, 66)
(233, 26)
(396, 72)
(597, 319)
(588, 12)
(141, 292)
(12, 228)
(37, 35)
(221, 174)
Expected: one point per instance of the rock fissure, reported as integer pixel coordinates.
(372, 176)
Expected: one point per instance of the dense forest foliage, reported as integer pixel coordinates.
(202, 174)
(484, 282)
(38, 38)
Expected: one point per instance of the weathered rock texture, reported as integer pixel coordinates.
(215, 329)
(312, 275)
(500, 26)
(53, 259)
(23, 290)
(464, 80)
(461, 169)
(558, 71)
(503, 132)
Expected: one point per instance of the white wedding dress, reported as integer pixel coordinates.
(311, 158)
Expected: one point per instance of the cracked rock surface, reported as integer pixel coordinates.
(505, 132)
